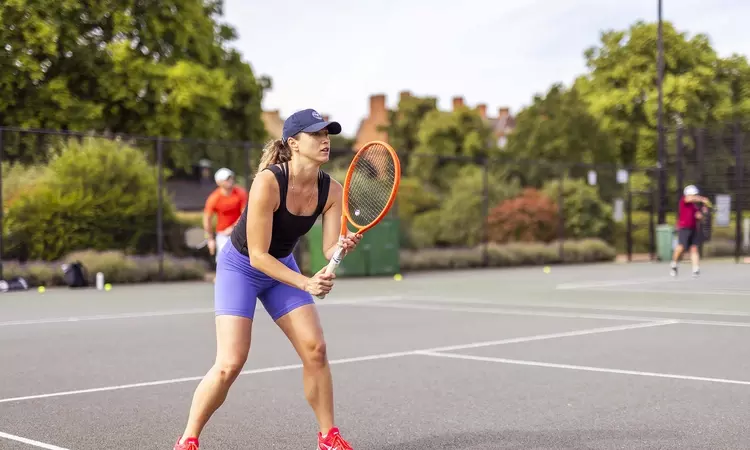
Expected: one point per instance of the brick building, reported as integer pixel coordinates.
(377, 117)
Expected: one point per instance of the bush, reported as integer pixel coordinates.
(586, 214)
(117, 268)
(530, 217)
(508, 255)
(99, 195)
(459, 220)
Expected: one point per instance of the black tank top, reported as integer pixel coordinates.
(287, 227)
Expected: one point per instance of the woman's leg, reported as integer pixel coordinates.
(235, 296)
(232, 346)
(302, 327)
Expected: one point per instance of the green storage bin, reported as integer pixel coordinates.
(383, 248)
(354, 264)
(377, 253)
(664, 242)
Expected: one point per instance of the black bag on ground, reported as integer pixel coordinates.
(74, 275)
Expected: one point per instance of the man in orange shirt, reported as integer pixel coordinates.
(227, 202)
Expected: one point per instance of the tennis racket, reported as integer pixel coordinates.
(195, 237)
(370, 189)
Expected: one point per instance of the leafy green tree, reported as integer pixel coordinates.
(621, 86)
(132, 67)
(557, 129)
(448, 141)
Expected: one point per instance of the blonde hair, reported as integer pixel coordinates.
(275, 152)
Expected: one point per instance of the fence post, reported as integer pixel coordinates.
(486, 212)
(738, 197)
(679, 163)
(2, 207)
(247, 166)
(629, 212)
(561, 221)
(160, 206)
(651, 224)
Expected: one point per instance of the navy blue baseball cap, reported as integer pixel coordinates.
(309, 121)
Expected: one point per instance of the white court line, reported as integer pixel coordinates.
(30, 442)
(667, 310)
(355, 359)
(541, 313)
(174, 312)
(583, 368)
(588, 284)
(670, 291)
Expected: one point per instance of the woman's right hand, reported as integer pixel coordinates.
(320, 283)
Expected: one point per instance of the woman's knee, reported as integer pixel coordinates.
(229, 369)
(314, 353)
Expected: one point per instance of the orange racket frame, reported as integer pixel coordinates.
(339, 254)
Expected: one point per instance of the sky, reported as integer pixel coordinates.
(331, 55)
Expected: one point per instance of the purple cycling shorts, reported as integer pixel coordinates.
(239, 285)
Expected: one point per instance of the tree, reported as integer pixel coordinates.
(131, 67)
(404, 124)
(621, 86)
(557, 128)
(447, 141)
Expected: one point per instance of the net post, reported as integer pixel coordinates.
(629, 234)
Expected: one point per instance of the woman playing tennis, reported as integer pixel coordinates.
(288, 194)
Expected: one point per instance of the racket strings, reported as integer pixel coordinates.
(371, 184)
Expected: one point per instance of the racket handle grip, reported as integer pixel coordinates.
(338, 255)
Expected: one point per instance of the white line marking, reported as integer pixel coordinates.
(671, 291)
(354, 359)
(551, 336)
(30, 442)
(562, 305)
(541, 313)
(588, 284)
(174, 312)
(583, 368)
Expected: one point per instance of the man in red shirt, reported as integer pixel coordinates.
(227, 202)
(689, 233)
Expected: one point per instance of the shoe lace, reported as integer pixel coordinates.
(338, 443)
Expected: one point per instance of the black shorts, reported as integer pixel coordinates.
(688, 237)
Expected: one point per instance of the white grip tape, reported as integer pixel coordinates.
(338, 255)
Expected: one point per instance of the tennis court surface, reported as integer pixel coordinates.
(587, 357)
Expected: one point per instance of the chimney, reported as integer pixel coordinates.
(377, 105)
(458, 102)
(404, 95)
(482, 109)
(503, 112)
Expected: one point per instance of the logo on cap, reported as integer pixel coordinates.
(316, 115)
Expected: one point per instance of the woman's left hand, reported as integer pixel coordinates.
(350, 241)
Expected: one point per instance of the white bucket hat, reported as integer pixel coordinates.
(690, 190)
(223, 174)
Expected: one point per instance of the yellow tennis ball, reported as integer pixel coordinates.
(41, 289)
(397, 277)
(547, 269)
(107, 287)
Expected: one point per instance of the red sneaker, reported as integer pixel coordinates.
(189, 444)
(333, 441)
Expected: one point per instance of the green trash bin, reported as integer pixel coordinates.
(664, 242)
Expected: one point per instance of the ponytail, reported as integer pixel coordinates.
(275, 152)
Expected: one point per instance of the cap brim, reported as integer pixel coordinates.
(333, 127)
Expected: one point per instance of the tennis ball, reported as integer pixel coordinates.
(41, 289)
(107, 287)
(397, 277)
(547, 269)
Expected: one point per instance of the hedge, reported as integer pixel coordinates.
(507, 255)
(118, 268)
